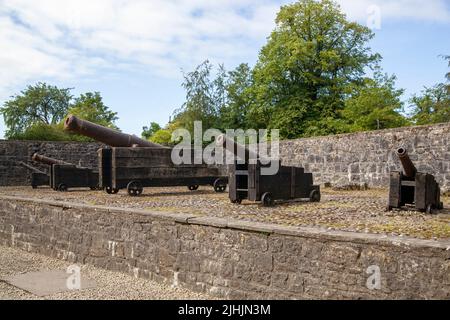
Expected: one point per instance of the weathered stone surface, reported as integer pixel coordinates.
(11, 152)
(230, 262)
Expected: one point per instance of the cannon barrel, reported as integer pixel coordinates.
(408, 167)
(26, 165)
(238, 149)
(108, 136)
(46, 160)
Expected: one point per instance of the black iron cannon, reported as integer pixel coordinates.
(64, 175)
(134, 163)
(411, 187)
(247, 181)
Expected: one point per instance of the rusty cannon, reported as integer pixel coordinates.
(38, 177)
(110, 137)
(132, 163)
(247, 180)
(413, 188)
(64, 175)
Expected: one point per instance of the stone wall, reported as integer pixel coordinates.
(368, 157)
(228, 258)
(11, 152)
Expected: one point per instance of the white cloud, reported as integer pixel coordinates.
(430, 10)
(53, 39)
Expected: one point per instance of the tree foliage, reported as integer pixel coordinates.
(432, 105)
(148, 132)
(304, 70)
(374, 105)
(90, 106)
(37, 113)
(38, 104)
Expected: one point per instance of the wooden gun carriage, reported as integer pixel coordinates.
(133, 163)
(413, 188)
(136, 168)
(247, 181)
(63, 175)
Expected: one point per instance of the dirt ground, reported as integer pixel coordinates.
(360, 211)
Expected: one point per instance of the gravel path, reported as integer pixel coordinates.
(110, 285)
(361, 211)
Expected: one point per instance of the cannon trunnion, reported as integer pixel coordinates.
(412, 187)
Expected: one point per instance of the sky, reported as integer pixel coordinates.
(133, 52)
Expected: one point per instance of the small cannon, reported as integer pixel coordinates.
(38, 177)
(246, 180)
(134, 163)
(64, 175)
(411, 187)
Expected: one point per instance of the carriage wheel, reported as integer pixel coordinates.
(134, 188)
(62, 187)
(237, 201)
(267, 199)
(34, 186)
(193, 187)
(314, 196)
(111, 190)
(220, 185)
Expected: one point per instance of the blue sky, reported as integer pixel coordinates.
(133, 51)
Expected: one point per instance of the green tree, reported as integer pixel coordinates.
(90, 106)
(233, 114)
(304, 70)
(432, 105)
(205, 97)
(374, 105)
(41, 104)
(148, 132)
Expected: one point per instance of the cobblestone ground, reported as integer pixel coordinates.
(361, 211)
(110, 285)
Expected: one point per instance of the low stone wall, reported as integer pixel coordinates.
(12, 152)
(368, 157)
(230, 259)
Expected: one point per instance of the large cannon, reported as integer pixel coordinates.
(133, 163)
(64, 175)
(411, 187)
(110, 137)
(247, 181)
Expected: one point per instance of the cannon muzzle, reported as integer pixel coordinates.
(105, 135)
(46, 160)
(237, 149)
(408, 167)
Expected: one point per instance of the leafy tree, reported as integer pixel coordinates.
(233, 114)
(304, 70)
(148, 132)
(432, 105)
(90, 106)
(162, 136)
(38, 104)
(374, 105)
(205, 97)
